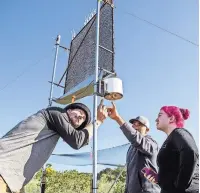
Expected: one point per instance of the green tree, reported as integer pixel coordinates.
(74, 182)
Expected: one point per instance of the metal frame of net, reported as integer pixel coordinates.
(105, 157)
(81, 61)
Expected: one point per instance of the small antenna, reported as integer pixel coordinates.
(90, 16)
(73, 34)
(85, 22)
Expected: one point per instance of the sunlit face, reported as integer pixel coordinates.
(139, 126)
(162, 121)
(77, 117)
(136, 125)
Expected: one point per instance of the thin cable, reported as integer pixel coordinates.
(23, 72)
(123, 169)
(87, 153)
(163, 29)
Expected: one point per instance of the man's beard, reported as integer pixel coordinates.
(74, 125)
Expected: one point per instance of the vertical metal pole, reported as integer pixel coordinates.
(43, 178)
(54, 69)
(95, 101)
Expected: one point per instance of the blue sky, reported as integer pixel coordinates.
(156, 67)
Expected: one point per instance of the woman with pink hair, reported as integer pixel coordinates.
(178, 158)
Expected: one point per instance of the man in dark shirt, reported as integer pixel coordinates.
(142, 152)
(26, 148)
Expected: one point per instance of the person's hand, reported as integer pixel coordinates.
(151, 178)
(102, 113)
(112, 112)
(150, 175)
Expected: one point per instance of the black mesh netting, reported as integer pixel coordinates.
(81, 63)
(115, 156)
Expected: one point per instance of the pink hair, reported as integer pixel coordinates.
(180, 114)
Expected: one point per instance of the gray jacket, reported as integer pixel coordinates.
(142, 153)
(26, 148)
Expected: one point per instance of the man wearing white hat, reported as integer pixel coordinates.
(140, 124)
(142, 152)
